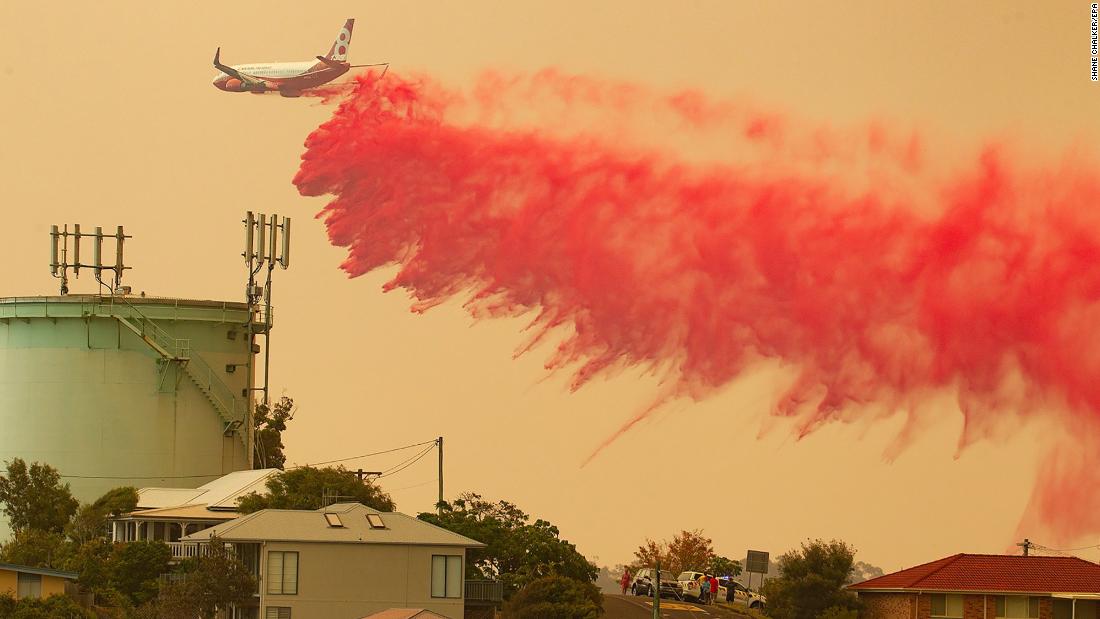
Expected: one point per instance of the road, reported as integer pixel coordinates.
(631, 607)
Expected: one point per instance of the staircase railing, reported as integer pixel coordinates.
(177, 348)
(232, 408)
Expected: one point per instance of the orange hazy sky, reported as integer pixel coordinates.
(108, 117)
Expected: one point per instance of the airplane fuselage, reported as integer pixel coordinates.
(287, 78)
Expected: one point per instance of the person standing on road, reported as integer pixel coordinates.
(625, 580)
(704, 590)
(713, 587)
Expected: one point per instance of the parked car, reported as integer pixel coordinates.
(691, 583)
(743, 596)
(643, 584)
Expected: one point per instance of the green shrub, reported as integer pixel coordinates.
(556, 597)
(53, 607)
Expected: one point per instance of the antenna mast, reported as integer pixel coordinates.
(59, 256)
(266, 242)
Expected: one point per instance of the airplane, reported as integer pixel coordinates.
(289, 78)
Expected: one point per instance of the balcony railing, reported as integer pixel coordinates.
(486, 592)
(188, 550)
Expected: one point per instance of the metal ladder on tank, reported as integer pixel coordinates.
(173, 350)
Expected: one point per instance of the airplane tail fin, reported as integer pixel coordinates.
(339, 49)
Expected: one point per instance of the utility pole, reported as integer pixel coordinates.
(657, 591)
(439, 504)
(1026, 545)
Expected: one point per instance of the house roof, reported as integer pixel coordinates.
(219, 494)
(405, 613)
(223, 492)
(151, 498)
(303, 525)
(12, 567)
(994, 574)
(190, 512)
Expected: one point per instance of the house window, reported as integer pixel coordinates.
(282, 573)
(446, 576)
(30, 586)
(947, 605)
(375, 521)
(333, 520)
(277, 612)
(1017, 607)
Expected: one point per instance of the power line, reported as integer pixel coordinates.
(219, 474)
(410, 463)
(364, 455)
(423, 483)
(404, 462)
(1067, 549)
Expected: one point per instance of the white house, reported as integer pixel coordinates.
(169, 514)
(346, 560)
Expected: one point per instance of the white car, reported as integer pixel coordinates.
(691, 583)
(741, 595)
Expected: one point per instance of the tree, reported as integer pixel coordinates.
(811, 581)
(648, 554)
(134, 569)
(556, 597)
(210, 583)
(721, 566)
(863, 571)
(35, 498)
(53, 607)
(690, 550)
(87, 524)
(304, 487)
(37, 548)
(90, 521)
(687, 550)
(117, 501)
(92, 561)
(270, 422)
(517, 551)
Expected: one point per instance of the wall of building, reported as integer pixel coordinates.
(51, 585)
(355, 580)
(887, 605)
(81, 392)
(9, 581)
(900, 606)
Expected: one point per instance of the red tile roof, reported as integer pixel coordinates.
(994, 574)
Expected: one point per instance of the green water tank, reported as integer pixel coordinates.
(126, 391)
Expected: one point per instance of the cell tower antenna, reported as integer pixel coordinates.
(262, 247)
(60, 242)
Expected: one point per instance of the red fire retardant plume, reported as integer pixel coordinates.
(985, 285)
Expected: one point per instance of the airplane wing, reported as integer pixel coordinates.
(245, 78)
(337, 64)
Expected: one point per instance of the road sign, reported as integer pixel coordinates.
(757, 561)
